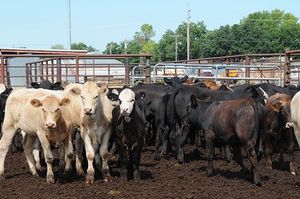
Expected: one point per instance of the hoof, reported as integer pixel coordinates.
(107, 179)
(80, 173)
(89, 179)
(293, 173)
(2, 177)
(50, 179)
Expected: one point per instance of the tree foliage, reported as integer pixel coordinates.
(82, 46)
(259, 32)
(58, 46)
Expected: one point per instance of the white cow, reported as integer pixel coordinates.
(96, 128)
(295, 115)
(38, 114)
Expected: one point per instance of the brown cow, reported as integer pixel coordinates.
(279, 134)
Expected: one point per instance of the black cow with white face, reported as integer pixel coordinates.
(128, 129)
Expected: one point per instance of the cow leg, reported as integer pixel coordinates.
(209, 137)
(136, 158)
(158, 140)
(48, 155)
(104, 155)
(89, 155)
(297, 133)
(79, 151)
(181, 141)
(239, 158)
(28, 145)
(165, 140)
(36, 153)
(97, 158)
(254, 165)
(293, 167)
(7, 136)
(123, 159)
(269, 152)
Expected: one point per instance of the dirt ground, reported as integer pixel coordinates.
(160, 179)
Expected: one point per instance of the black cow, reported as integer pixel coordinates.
(128, 128)
(157, 127)
(279, 134)
(233, 122)
(46, 84)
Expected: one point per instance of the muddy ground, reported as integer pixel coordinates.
(160, 179)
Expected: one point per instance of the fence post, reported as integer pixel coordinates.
(127, 71)
(58, 75)
(52, 70)
(148, 70)
(27, 74)
(247, 71)
(35, 72)
(286, 69)
(2, 70)
(77, 70)
(47, 68)
(41, 71)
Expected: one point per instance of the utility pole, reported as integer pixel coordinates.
(176, 47)
(70, 33)
(125, 45)
(188, 32)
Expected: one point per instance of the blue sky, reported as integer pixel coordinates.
(39, 24)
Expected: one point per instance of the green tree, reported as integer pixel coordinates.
(82, 46)
(58, 46)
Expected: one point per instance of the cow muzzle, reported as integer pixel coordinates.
(50, 125)
(88, 111)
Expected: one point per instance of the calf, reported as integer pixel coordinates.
(95, 129)
(279, 134)
(295, 115)
(128, 129)
(46, 84)
(38, 115)
(233, 122)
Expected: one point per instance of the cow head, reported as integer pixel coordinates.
(90, 93)
(175, 81)
(127, 98)
(280, 103)
(50, 109)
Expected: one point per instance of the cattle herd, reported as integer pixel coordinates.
(93, 122)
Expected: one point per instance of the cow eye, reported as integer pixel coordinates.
(132, 100)
(43, 110)
(96, 97)
(81, 97)
(57, 109)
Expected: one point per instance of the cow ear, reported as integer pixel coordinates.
(103, 90)
(275, 106)
(64, 101)
(36, 103)
(35, 85)
(194, 103)
(167, 80)
(75, 91)
(184, 78)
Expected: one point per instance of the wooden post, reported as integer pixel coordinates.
(27, 75)
(35, 72)
(127, 72)
(247, 71)
(148, 70)
(286, 69)
(47, 68)
(52, 70)
(58, 72)
(41, 71)
(2, 70)
(77, 70)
